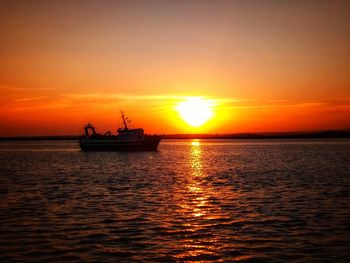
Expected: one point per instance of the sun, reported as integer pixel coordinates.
(195, 111)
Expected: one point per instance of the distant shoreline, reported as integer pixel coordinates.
(277, 135)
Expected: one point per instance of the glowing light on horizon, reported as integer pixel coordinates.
(196, 142)
(195, 111)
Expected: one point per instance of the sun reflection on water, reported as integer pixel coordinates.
(197, 209)
(194, 188)
(196, 158)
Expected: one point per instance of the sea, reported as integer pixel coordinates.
(190, 201)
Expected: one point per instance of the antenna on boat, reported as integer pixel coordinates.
(125, 125)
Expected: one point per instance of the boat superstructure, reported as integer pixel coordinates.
(126, 139)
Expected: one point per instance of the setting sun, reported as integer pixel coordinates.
(195, 111)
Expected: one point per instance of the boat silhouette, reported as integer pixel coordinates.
(126, 139)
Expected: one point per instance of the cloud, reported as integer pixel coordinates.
(151, 98)
(276, 104)
(21, 88)
(96, 101)
(30, 99)
(122, 96)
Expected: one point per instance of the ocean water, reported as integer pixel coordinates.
(200, 200)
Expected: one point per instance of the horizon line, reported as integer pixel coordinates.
(341, 133)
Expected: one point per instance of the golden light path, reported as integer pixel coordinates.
(197, 209)
(196, 111)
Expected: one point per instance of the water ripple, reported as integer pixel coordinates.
(209, 201)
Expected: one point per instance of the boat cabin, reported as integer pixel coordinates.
(130, 134)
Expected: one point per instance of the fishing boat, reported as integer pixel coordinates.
(126, 139)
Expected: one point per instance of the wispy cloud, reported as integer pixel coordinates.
(108, 101)
(276, 104)
(147, 97)
(75, 101)
(122, 96)
(31, 99)
(21, 88)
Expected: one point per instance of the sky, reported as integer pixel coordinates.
(262, 66)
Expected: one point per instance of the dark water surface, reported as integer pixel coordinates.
(208, 200)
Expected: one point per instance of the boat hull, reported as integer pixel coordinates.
(150, 144)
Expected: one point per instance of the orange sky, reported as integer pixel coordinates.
(265, 65)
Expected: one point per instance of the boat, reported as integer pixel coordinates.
(126, 139)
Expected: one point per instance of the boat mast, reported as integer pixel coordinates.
(125, 126)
